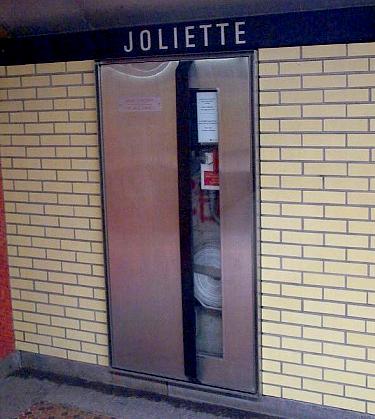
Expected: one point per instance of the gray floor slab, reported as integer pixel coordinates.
(19, 393)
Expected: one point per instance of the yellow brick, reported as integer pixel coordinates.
(323, 386)
(346, 212)
(23, 305)
(29, 93)
(359, 366)
(325, 225)
(301, 125)
(366, 284)
(270, 288)
(69, 127)
(324, 334)
(282, 195)
(304, 396)
(360, 393)
(93, 348)
(345, 268)
(281, 329)
(361, 339)
(295, 96)
(363, 227)
(28, 347)
(23, 326)
(66, 79)
(65, 322)
(281, 276)
(361, 49)
(343, 323)
(332, 50)
(346, 125)
(93, 304)
(34, 338)
(362, 169)
(63, 300)
(301, 210)
(324, 197)
(80, 335)
(51, 331)
(314, 111)
(302, 265)
(20, 70)
(347, 154)
(346, 183)
(301, 67)
(69, 104)
(78, 291)
(80, 66)
(40, 128)
(302, 344)
(59, 140)
(279, 83)
(281, 168)
(53, 116)
(346, 95)
(35, 81)
(281, 302)
(268, 98)
(9, 82)
(66, 343)
(47, 287)
(50, 350)
(11, 128)
(78, 313)
(83, 115)
(285, 53)
(271, 366)
(363, 110)
(269, 181)
(302, 291)
(324, 307)
(325, 169)
(301, 318)
(361, 311)
(344, 377)
(89, 78)
(361, 255)
(34, 296)
(344, 403)
(324, 81)
(272, 341)
(302, 370)
(11, 105)
(283, 380)
(280, 111)
(301, 154)
(268, 126)
(281, 223)
(347, 65)
(361, 80)
(82, 357)
(268, 69)
(52, 92)
(280, 140)
(81, 91)
(48, 68)
(324, 361)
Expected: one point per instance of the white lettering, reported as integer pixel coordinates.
(160, 35)
(175, 37)
(148, 40)
(129, 48)
(222, 27)
(189, 36)
(238, 32)
(205, 33)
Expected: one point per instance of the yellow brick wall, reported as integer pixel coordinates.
(317, 123)
(50, 166)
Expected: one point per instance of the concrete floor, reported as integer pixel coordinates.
(17, 393)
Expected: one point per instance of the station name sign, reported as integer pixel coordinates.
(196, 37)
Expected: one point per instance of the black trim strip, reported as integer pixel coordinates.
(347, 25)
(184, 197)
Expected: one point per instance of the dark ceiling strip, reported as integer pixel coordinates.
(347, 25)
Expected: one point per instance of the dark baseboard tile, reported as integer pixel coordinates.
(10, 364)
(107, 380)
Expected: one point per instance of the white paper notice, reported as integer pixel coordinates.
(207, 117)
(140, 104)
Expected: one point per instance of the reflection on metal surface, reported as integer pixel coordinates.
(142, 222)
(144, 232)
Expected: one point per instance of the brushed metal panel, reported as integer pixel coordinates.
(237, 368)
(138, 105)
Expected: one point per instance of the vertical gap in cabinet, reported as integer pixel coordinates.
(185, 204)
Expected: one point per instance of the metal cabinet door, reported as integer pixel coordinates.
(138, 121)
